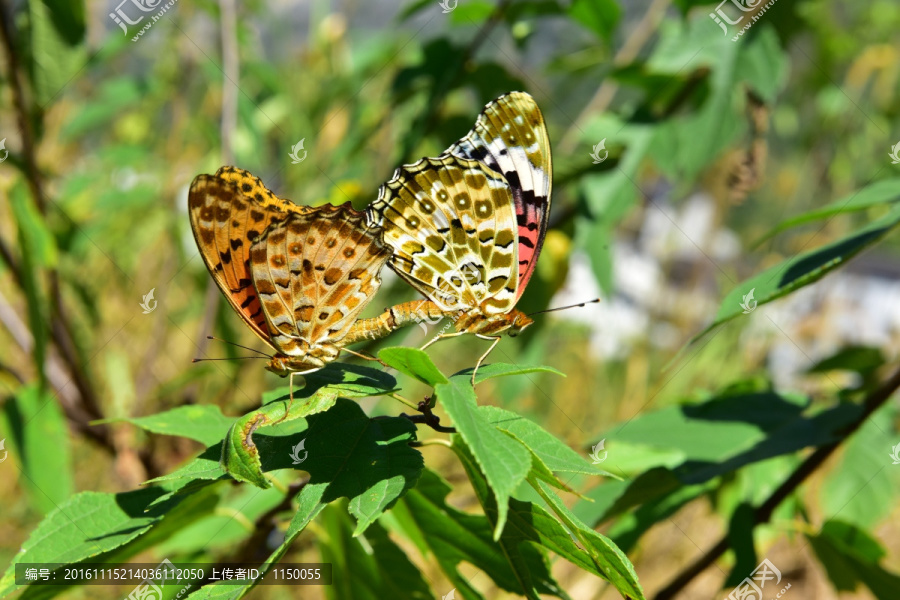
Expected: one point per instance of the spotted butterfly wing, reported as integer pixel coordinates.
(511, 138)
(228, 211)
(314, 272)
(451, 223)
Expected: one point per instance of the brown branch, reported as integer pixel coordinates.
(764, 512)
(428, 417)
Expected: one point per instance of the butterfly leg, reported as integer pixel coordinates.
(496, 339)
(362, 355)
(287, 409)
(441, 336)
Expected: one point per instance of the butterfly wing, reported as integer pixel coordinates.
(314, 272)
(452, 226)
(228, 211)
(511, 138)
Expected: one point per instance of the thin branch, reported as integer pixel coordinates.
(428, 418)
(762, 514)
(230, 69)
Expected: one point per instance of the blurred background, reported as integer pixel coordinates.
(676, 149)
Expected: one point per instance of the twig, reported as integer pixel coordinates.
(762, 514)
(230, 77)
(228, 124)
(428, 417)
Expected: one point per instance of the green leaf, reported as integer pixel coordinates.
(610, 562)
(372, 567)
(628, 528)
(218, 591)
(55, 60)
(38, 239)
(851, 556)
(740, 541)
(763, 65)
(36, 249)
(610, 195)
(455, 537)
(413, 362)
(226, 528)
(531, 523)
(494, 370)
(707, 440)
(240, 454)
(40, 442)
(87, 525)
(801, 270)
(884, 192)
(348, 381)
(548, 453)
(471, 13)
(864, 360)
(600, 16)
(862, 490)
(504, 461)
(367, 460)
(206, 467)
(67, 17)
(309, 505)
(204, 423)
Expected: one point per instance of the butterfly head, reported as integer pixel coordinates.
(283, 365)
(519, 322)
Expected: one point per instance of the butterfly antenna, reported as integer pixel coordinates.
(209, 337)
(564, 307)
(196, 360)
